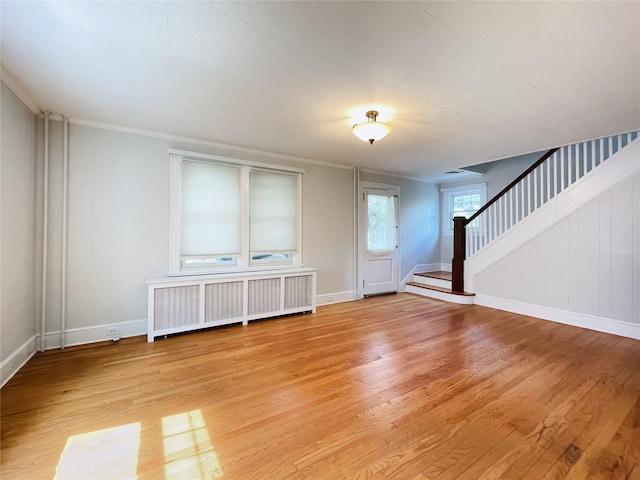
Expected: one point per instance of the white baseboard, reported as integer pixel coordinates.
(338, 297)
(445, 267)
(600, 324)
(14, 362)
(97, 333)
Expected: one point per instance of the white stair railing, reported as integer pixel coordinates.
(555, 174)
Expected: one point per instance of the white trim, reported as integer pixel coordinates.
(378, 186)
(438, 295)
(419, 268)
(219, 158)
(432, 281)
(175, 165)
(445, 267)
(176, 280)
(338, 297)
(592, 322)
(467, 187)
(274, 309)
(364, 185)
(95, 333)
(19, 92)
(621, 165)
(45, 232)
(356, 231)
(395, 175)
(197, 141)
(17, 359)
(243, 261)
(446, 226)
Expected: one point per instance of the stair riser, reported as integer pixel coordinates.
(436, 282)
(447, 297)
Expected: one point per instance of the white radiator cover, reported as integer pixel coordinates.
(182, 304)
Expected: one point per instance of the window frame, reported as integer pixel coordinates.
(243, 262)
(447, 195)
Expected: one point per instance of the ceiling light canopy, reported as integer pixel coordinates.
(371, 130)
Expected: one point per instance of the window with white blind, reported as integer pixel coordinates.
(461, 201)
(210, 215)
(229, 215)
(273, 217)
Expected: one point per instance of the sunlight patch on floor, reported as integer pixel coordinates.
(188, 451)
(102, 454)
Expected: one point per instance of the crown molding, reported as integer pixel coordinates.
(18, 91)
(197, 141)
(31, 105)
(389, 174)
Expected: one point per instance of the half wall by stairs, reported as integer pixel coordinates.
(620, 165)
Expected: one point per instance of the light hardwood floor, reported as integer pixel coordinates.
(392, 387)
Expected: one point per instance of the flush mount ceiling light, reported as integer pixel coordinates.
(371, 130)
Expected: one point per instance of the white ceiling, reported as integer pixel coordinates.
(461, 82)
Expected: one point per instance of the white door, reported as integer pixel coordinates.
(379, 240)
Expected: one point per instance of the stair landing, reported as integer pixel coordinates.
(438, 285)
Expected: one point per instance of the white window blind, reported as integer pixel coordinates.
(381, 232)
(273, 215)
(210, 210)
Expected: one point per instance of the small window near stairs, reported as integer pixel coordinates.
(461, 201)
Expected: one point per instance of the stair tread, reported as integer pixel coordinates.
(440, 289)
(442, 275)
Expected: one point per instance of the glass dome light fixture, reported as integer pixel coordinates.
(371, 130)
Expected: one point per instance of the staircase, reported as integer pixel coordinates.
(558, 183)
(438, 285)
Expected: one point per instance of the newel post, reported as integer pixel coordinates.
(459, 254)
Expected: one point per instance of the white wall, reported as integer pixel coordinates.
(327, 226)
(118, 227)
(18, 232)
(588, 263)
(419, 220)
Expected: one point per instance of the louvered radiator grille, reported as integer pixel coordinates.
(180, 305)
(264, 296)
(298, 291)
(176, 307)
(223, 301)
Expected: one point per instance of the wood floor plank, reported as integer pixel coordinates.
(393, 387)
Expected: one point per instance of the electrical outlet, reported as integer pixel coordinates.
(114, 333)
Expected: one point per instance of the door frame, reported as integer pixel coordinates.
(362, 238)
